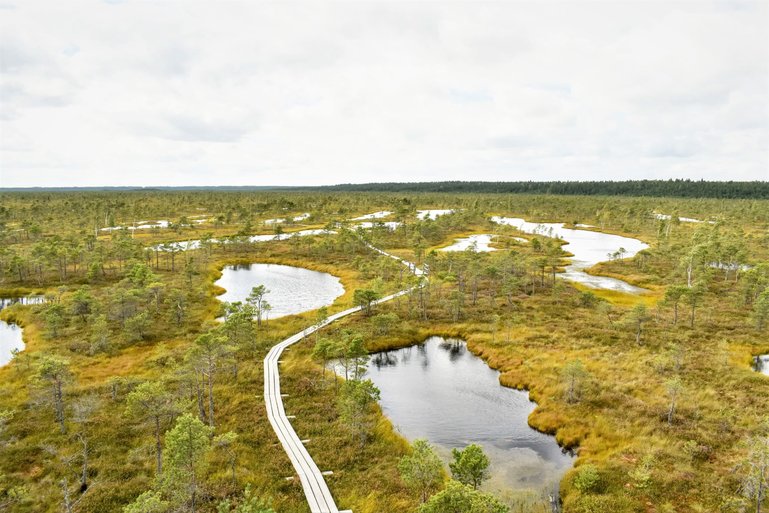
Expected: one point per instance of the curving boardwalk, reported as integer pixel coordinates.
(314, 484)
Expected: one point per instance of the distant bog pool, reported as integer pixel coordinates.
(588, 247)
(292, 290)
(479, 242)
(10, 339)
(10, 333)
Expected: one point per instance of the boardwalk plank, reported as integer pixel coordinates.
(314, 485)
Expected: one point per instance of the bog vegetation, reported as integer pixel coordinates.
(139, 391)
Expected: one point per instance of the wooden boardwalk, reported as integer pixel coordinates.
(313, 482)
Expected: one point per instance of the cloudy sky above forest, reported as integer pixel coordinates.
(230, 93)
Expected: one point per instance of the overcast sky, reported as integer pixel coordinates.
(229, 93)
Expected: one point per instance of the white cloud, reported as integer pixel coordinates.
(172, 93)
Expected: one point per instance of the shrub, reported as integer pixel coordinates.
(587, 479)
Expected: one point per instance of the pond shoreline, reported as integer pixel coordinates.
(584, 246)
(458, 381)
(290, 290)
(472, 346)
(761, 364)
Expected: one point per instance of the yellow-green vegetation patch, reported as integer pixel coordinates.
(667, 415)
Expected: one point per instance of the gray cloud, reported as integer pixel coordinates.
(251, 92)
(14, 57)
(186, 128)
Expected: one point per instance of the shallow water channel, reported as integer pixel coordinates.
(293, 290)
(588, 247)
(440, 391)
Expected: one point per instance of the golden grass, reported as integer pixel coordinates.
(124, 460)
(619, 420)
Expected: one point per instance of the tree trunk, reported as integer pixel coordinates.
(199, 393)
(59, 405)
(210, 397)
(84, 470)
(67, 500)
(158, 445)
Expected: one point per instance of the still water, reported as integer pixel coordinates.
(10, 333)
(195, 244)
(440, 391)
(432, 213)
(373, 215)
(293, 290)
(367, 225)
(761, 364)
(480, 242)
(10, 339)
(588, 247)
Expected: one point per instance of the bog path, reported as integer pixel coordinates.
(313, 481)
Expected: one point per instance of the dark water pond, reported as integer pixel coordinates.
(442, 392)
(293, 290)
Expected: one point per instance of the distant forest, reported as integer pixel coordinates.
(648, 188)
(652, 188)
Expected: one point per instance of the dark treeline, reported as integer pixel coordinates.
(656, 188)
(640, 188)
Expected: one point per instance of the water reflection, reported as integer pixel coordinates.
(374, 215)
(10, 341)
(432, 213)
(25, 300)
(440, 391)
(292, 290)
(455, 347)
(384, 359)
(196, 244)
(11, 334)
(478, 242)
(588, 247)
(761, 364)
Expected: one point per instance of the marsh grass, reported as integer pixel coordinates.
(618, 425)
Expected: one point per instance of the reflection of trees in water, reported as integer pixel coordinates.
(24, 300)
(241, 267)
(454, 346)
(759, 363)
(384, 359)
(423, 356)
